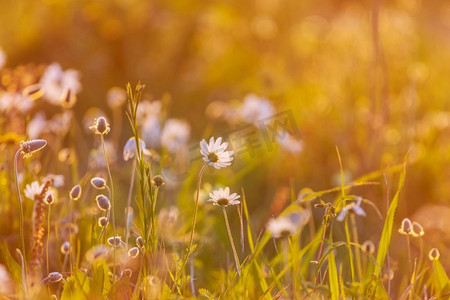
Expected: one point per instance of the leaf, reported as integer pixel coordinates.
(101, 284)
(389, 222)
(333, 276)
(76, 287)
(440, 278)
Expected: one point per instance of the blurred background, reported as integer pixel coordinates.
(370, 77)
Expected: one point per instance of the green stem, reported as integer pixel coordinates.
(194, 219)
(127, 210)
(236, 258)
(21, 225)
(112, 201)
(48, 238)
(357, 249)
(349, 248)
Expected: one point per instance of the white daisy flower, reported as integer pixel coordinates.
(284, 226)
(32, 190)
(130, 149)
(214, 153)
(116, 97)
(289, 143)
(37, 125)
(255, 108)
(55, 81)
(10, 101)
(354, 207)
(222, 197)
(175, 134)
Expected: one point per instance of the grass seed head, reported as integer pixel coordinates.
(75, 192)
(103, 202)
(98, 183)
(434, 254)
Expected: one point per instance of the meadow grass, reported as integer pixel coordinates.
(189, 252)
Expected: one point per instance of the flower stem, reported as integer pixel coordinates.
(112, 201)
(357, 250)
(22, 237)
(48, 237)
(236, 258)
(194, 219)
(127, 210)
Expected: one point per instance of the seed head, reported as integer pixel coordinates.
(417, 230)
(49, 200)
(65, 247)
(68, 99)
(115, 241)
(158, 181)
(139, 242)
(34, 91)
(434, 254)
(98, 183)
(368, 247)
(75, 192)
(127, 273)
(133, 252)
(103, 202)
(406, 226)
(29, 147)
(54, 277)
(102, 221)
(101, 126)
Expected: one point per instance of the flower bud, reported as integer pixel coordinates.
(115, 241)
(103, 202)
(29, 147)
(75, 192)
(49, 200)
(406, 226)
(158, 181)
(434, 254)
(65, 247)
(98, 183)
(102, 221)
(133, 252)
(417, 230)
(139, 242)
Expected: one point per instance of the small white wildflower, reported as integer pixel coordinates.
(222, 197)
(58, 180)
(175, 134)
(354, 207)
(12, 101)
(214, 153)
(32, 190)
(284, 226)
(130, 149)
(116, 97)
(55, 81)
(288, 143)
(255, 108)
(37, 125)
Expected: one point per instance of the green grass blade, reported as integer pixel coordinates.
(389, 222)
